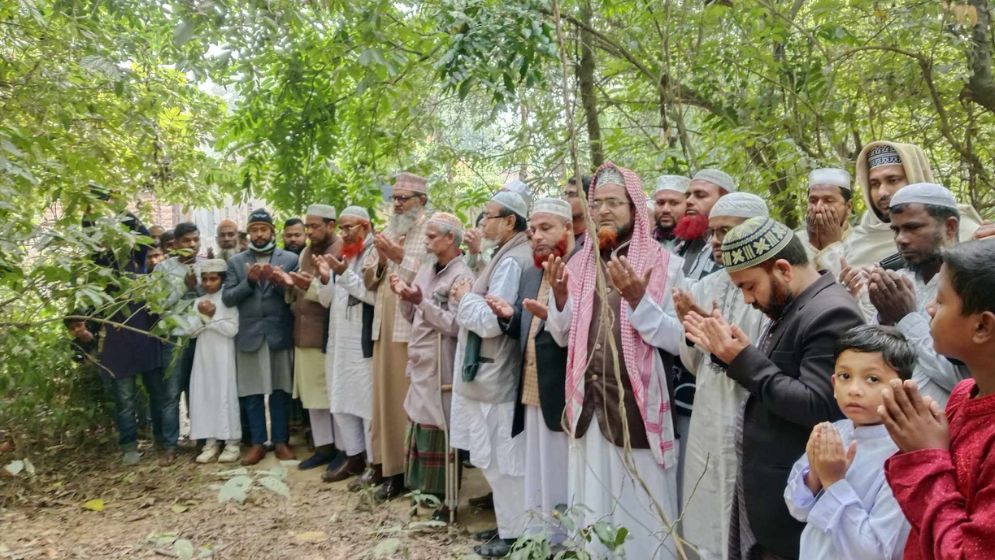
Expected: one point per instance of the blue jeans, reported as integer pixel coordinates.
(175, 380)
(126, 398)
(279, 410)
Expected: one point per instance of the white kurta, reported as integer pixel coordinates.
(349, 375)
(213, 386)
(599, 477)
(934, 374)
(709, 460)
(484, 429)
(857, 517)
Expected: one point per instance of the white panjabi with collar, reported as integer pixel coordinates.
(857, 517)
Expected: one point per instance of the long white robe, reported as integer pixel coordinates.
(710, 462)
(349, 375)
(600, 478)
(213, 386)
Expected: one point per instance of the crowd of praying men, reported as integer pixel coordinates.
(656, 358)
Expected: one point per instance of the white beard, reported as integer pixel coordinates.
(487, 246)
(402, 224)
(226, 254)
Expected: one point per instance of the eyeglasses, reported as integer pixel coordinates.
(611, 203)
(487, 217)
(401, 199)
(346, 227)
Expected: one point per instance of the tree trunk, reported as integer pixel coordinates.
(588, 99)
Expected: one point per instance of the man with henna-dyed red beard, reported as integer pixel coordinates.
(704, 190)
(541, 386)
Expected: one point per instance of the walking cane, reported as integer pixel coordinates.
(451, 499)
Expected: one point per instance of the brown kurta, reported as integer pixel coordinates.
(390, 352)
(601, 387)
(310, 317)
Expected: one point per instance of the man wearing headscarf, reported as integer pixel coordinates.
(431, 352)
(704, 189)
(827, 217)
(540, 401)
(787, 373)
(925, 219)
(310, 326)
(669, 202)
(488, 363)
(616, 302)
(882, 169)
(255, 283)
(348, 367)
(400, 251)
(708, 454)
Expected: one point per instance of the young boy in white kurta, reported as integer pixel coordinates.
(213, 390)
(838, 487)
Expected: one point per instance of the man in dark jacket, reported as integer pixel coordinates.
(788, 374)
(256, 282)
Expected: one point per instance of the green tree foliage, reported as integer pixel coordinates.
(327, 100)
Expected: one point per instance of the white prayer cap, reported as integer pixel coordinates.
(830, 176)
(517, 186)
(740, 205)
(322, 211)
(716, 177)
(554, 206)
(213, 265)
(448, 220)
(356, 212)
(924, 193)
(513, 202)
(676, 183)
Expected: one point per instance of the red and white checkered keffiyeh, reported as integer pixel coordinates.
(650, 390)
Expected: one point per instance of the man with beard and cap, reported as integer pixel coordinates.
(708, 456)
(925, 219)
(294, 235)
(572, 193)
(787, 374)
(255, 284)
(431, 352)
(399, 250)
(540, 400)
(349, 348)
(704, 189)
(669, 202)
(310, 328)
(487, 365)
(883, 168)
(614, 313)
(226, 237)
(827, 217)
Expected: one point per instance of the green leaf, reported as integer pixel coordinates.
(96, 504)
(235, 489)
(183, 549)
(275, 485)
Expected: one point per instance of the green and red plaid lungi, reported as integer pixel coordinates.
(426, 471)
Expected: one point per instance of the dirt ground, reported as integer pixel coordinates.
(153, 512)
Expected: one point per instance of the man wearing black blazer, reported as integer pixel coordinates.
(788, 374)
(255, 283)
(539, 407)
